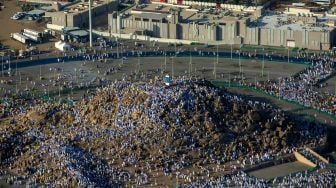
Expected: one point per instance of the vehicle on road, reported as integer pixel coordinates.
(18, 15)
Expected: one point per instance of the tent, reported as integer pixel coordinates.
(62, 46)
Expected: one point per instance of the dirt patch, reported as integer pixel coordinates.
(279, 170)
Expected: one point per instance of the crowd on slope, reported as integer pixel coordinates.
(137, 133)
(301, 88)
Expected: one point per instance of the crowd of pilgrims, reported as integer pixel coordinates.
(320, 178)
(303, 87)
(143, 132)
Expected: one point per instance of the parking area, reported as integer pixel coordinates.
(8, 26)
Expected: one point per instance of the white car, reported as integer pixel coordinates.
(18, 15)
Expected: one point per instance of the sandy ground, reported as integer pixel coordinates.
(83, 72)
(279, 170)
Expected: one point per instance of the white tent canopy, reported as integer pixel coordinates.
(62, 46)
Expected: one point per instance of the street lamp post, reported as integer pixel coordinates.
(255, 82)
(165, 61)
(288, 53)
(20, 77)
(172, 66)
(138, 62)
(117, 47)
(239, 62)
(279, 88)
(40, 73)
(90, 22)
(2, 66)
(190, 64)
(231, 50)
(215, 63)
(263, 63)
(229, 79)
(9, 68)
(214, 71)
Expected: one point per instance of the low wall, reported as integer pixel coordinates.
(303, 160)
(142, 37)
(318, 155)
(284, 159)
(149, 38)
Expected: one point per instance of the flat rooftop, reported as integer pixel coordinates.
(83, 6)
(218, 17)
(152, 7)
(79, 33)
(188, 15)
(280, 21)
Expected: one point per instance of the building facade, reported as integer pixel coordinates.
(227, 30)
(77, 15)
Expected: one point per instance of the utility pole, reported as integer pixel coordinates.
(90, 22)
(239, 63)
(231, 50)
(242, 74)
(40, 73)
(190, 64)
(118, 47)
(138, 62)
(288, 54)
(217, 54)
(215, 63)
(214, 71)
(255, 82)
(172, 66)
(20, 77)
(2, 66)
(279, 88)
(263, 63)
(9, 68)
(229, 79)
(165, 61)
(16, 68)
